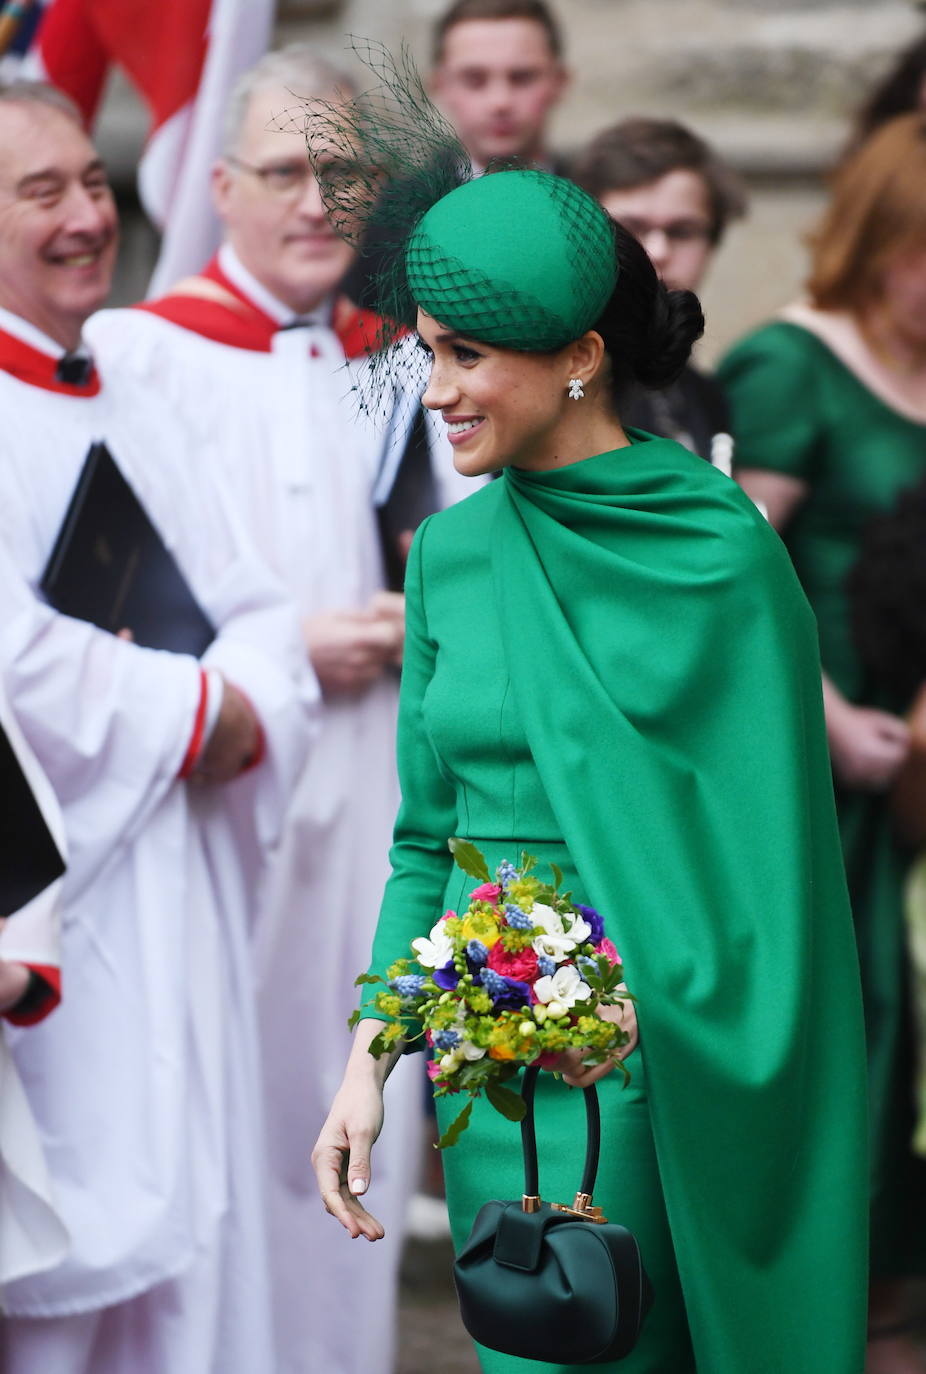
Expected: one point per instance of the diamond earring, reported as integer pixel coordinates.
(576, 389)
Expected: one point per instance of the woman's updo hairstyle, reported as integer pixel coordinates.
(647, 330)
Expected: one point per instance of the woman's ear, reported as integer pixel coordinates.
(585, 357)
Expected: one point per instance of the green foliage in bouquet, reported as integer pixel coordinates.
(516, 979)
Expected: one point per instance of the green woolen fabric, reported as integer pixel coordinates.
(799, 411)
(519, 259)
(614, 661)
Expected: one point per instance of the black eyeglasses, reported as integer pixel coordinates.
(287, 180)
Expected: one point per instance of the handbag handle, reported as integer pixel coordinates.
(583, 1200)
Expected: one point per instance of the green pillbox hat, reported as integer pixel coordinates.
(519, 259)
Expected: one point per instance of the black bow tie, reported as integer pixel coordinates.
(74, 369)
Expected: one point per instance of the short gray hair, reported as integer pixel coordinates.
(21, 92)
(296, 68)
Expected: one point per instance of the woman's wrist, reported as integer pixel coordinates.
(362, 1065)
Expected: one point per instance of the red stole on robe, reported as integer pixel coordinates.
(215, 307)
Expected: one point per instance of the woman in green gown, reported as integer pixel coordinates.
(829, 406)
(609, 663)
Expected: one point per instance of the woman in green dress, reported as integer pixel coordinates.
(609, 663)
(829, 406)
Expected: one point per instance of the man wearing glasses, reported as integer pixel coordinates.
(673, 193)
(255, 350)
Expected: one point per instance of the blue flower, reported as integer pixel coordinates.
(476, 955)
(506, 872)
(446, 1040)
(586, 964)
(409, 985)
(518, 919)
(546, 966)
(595, 920)
(446, 977)
(505, 992)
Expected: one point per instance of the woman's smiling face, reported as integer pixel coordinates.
(501, 407)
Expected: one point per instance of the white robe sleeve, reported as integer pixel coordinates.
(32, 1235)
(110, 722)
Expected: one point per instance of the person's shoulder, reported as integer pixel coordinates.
(452, 531)
(783, 342)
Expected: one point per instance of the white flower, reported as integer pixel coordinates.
(434, 950)
(470, 1051)
(556, 942)
(580, 930)
(562, 990)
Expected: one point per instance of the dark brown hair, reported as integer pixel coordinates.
(877, 210)
(638, 151)
(462, 11)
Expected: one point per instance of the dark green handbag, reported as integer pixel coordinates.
(551, 1282)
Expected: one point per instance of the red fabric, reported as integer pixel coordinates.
(73, 54)
(30, 365)
(242, 324)
(161, 48)
(50, 977)
(199, 726)
(213, 320)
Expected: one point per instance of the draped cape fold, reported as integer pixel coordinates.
(666, 669)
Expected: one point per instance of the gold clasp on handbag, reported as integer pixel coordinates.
(582, 1208)
(529, 1203)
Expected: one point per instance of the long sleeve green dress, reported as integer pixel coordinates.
(611, 665)
(800, 411)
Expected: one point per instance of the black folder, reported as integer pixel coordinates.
(110, 566)
(29, 858)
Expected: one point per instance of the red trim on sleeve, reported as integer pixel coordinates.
(199, 726)
(43, 1002)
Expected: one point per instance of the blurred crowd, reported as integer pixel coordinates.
(176, 1019)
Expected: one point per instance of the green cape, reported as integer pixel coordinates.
(684, 754)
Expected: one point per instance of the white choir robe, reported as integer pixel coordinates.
(301, 468)
(32, 1235)
(145, 1082)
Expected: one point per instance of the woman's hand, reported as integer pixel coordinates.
(341, 1157)
(868, 747)
(571, 1064)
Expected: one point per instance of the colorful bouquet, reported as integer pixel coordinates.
(516, 979)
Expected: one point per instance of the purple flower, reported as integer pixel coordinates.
(476, 955)
(505, 992)
(446, 977)
(595, 920)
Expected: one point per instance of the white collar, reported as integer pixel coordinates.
(31, 335)
(238, 274)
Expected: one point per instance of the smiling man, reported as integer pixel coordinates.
(143, 1081)
(258, 349)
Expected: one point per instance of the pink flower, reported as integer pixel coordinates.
(520, 964)
(606, 947)
(488, 892)
(433, 1069)
(448, 914)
